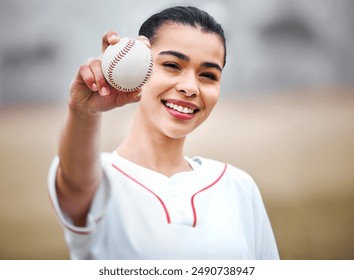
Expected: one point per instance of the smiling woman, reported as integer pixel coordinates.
(186, 74)
(146, 199)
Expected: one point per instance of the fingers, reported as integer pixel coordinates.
(109, 38)
(88, 77)
(123, 98)
(100, 81)
(92, 75)
(134, 96)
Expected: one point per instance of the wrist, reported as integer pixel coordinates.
(83, 114)
(82, 109)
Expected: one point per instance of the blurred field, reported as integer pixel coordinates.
(299, 147)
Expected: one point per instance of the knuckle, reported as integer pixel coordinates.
(91, 59)
(95, 61)
(100, 79)
(84, 67)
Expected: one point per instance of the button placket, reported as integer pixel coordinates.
(178, 202)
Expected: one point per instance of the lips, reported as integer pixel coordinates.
(180, 109)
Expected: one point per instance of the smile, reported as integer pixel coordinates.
(180, 109)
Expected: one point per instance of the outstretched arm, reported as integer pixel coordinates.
(79, 173)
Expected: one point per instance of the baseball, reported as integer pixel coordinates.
(127, 65)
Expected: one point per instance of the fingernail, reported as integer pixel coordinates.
(114, 37)
(104, 91)
(94, 87)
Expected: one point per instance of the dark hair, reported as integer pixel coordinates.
(188, 15)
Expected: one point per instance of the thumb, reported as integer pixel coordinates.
(123, 98)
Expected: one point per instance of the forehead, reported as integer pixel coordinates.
(189, 40)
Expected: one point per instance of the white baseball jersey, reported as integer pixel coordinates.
(214, 211)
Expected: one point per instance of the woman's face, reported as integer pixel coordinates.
(185, 83)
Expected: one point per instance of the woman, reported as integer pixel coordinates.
(146, 200)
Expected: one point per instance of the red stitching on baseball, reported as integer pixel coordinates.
(116, 59)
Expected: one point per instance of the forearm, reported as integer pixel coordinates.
(79, 151)
(79, 172)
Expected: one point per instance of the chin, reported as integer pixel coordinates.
(178, 132)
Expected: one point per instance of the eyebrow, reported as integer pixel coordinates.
(211, 65)
(186, 58)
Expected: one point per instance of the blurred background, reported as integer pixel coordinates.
(286, 114)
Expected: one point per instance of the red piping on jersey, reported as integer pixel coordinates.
(140, 184)
(212, 184)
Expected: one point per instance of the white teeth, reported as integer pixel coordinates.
(179, 108)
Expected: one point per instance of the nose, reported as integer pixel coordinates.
(188, 86)
(188, 93)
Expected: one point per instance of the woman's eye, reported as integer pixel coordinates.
(209, 76)
(172, 65)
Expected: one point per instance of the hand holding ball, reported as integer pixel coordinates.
(127, 65)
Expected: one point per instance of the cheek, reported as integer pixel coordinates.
(209, 103)
(211, 98)
(157, 82)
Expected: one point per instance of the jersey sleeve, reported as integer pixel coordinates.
(265, 247)
(97, 209)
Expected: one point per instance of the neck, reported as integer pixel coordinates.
(154, 151)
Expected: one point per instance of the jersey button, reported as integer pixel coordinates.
(173, 192)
